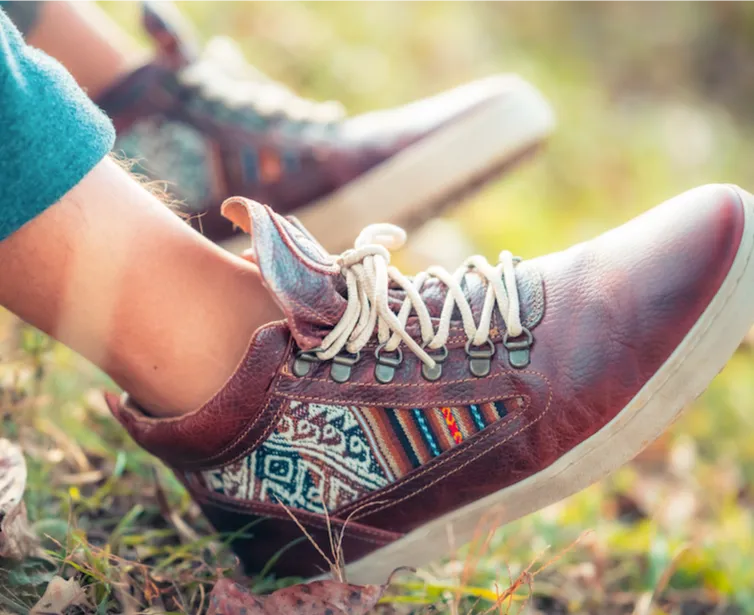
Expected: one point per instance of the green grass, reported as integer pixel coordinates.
(637, 125)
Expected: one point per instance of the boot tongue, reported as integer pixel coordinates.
(172, 34)
(302, 277)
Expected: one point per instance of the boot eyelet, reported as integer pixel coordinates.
(480, 358)
(519, 353)
(304, 360)
(340, 370)
(384, 371)
(434, 373)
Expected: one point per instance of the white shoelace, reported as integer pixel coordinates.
(368, 273)
(222, 73)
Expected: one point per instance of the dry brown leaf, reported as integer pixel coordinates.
(16, 539)
(315, 598)
(59, 596)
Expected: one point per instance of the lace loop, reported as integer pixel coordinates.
(368, 275)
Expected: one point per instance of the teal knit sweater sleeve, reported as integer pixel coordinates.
(51, 134)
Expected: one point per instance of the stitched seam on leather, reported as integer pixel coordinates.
(195, 463)
(249, 427)
(143, 419)
(292, 324)
(316, 316)
(494, 446)
(274, 420)
(379, 536)
(451, 456)
(306, 309)
(308, 262)
(452, 471)
(494, 335)
(287, 372)
(537, 312)
(410, 384)
(399, 403)
(300, 256)
(202, 495)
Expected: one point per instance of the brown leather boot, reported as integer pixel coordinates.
(402, 406)
(211, 126)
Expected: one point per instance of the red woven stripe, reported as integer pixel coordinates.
(450, 421)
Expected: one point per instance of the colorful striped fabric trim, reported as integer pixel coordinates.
(326, 456)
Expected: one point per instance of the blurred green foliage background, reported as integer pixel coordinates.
(651, 99)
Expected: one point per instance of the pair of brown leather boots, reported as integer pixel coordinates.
(387, 407)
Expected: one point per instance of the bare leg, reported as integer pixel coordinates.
(82, 37)
(115, 275)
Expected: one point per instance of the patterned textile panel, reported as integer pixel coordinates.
(325, 455)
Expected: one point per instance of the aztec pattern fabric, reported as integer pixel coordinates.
(192, 165)
(176, 153)
(202, 145)
(326, 456)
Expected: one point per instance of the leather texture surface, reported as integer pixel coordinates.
(274, 158)
(605, 315)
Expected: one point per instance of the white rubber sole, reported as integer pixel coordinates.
(411, 184)
(685, 375)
